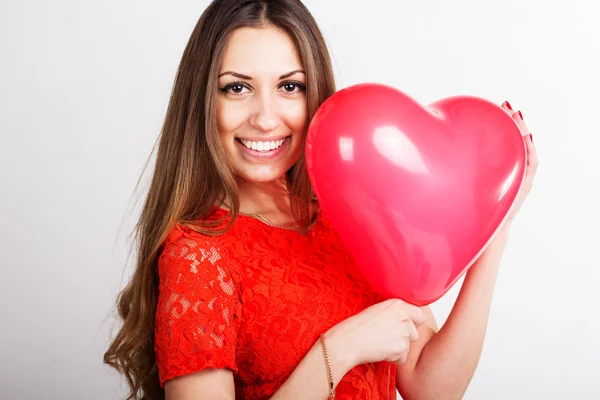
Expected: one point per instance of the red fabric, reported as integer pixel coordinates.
(255, 300)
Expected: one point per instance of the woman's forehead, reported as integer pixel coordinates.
(260, 53)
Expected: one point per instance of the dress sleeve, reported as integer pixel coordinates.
(199, 309)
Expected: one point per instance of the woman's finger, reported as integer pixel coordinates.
(518, 118)
(404, 357)
(532, 160)
(413, 333)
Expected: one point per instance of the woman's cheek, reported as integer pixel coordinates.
(295, 117)
(229, 118)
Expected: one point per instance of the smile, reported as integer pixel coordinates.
(263, 146)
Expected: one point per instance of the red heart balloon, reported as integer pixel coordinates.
(415, 193)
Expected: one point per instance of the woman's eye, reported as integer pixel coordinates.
(290, 87)
(235, 89)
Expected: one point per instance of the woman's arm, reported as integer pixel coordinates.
(442, 365)
(213, 384)
(307, 381)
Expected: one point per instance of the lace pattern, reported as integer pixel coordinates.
(199, 309)
(255, 300)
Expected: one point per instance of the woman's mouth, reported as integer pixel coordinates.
(262, 146)
(263, 149)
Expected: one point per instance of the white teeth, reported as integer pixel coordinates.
(262, 146)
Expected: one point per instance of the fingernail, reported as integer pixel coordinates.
(520, 115)
(508, 105)
(531, 137)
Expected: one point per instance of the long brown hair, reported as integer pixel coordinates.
(191, 173)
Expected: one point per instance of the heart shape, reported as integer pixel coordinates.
(415, 193)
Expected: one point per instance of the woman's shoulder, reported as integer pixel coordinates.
(203, 231)
(199, 240)
(191, 252)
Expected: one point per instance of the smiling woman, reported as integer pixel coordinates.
(232, 140)
(242, 289)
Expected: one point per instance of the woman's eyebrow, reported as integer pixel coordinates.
(291, 73)
(246, 77)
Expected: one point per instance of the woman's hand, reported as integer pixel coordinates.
(382, 332)
(532, 161)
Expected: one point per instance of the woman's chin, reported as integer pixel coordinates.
(270, 177)
(268, 172)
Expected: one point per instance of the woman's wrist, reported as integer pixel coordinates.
(340, 355)
(310, 378)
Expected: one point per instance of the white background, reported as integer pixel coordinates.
(83, 90)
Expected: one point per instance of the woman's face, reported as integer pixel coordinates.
(261, 104)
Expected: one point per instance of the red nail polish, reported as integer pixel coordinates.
(531, 137)
(508, 105)
(520, 115)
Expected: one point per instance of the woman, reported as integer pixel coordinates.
(242, 289)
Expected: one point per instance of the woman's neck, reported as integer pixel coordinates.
(264, 197)
(269, 199)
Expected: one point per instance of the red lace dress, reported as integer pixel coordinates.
(254, 300)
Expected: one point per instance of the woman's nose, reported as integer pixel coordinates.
(265, 115)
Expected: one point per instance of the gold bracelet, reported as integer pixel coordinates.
(329, 374)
